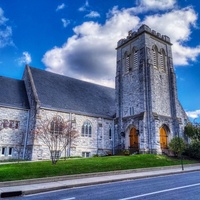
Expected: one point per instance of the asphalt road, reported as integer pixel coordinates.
(184, 186)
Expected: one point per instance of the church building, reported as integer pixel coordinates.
(142, 114)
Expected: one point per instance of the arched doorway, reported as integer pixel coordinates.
(163, 138)
(134, 141)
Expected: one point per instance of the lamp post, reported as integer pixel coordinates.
(181, 152)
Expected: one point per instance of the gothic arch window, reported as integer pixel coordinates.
(56, 125)
(135, 58)
(86, 129)
(162, 60)
(155, 56)
(126, 62)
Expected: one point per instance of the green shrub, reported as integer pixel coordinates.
(177, 146)
(193, 150)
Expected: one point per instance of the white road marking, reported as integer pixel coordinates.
(161, 191)
(69, 198)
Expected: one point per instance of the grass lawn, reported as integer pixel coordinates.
(29, 170)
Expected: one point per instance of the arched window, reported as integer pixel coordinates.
(56, 125)
(162, 60)
(86, 129)
(126, 62)
(155, 56)
(135, 58)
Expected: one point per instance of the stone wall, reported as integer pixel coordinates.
(146, 95)
(13, 133)
(99, 143)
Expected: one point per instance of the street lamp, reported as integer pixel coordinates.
(181, 152)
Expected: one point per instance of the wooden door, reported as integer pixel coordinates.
(163, 138)
(134, 139)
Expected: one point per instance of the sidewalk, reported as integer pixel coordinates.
(16, 188)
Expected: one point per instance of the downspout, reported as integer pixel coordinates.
(97, 138)
(113, 138)
(26, 137)
(69, 146)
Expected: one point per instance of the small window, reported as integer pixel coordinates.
(12, 124)
(110, 134)
(131, 111)
(85, 154)
(10, 151)
(5, 123)
(17, 124)
(3, 151)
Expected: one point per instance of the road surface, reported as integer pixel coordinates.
(185, 186)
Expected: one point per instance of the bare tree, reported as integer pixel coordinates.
(57, 134)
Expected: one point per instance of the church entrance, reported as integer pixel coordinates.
(134, 141)
(163, 138)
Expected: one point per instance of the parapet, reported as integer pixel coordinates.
(143, 28)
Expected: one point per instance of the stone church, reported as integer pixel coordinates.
(142, 114)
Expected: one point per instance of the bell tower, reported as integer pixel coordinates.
(146, 93)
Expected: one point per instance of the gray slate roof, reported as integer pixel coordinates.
(64, 93)
(13, 93)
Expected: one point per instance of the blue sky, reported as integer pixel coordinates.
(77, 38)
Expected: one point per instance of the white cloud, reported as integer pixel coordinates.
(193, 114)
(93, 14)
(84, 7)
(65, 22)
(5, 31)
(60, 7)
(153, 5)
(158, 4)
(25, 58)
(89, 54)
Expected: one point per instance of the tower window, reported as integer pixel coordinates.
(127, 64)
(155, 57)
(162, 60)
(135, 59)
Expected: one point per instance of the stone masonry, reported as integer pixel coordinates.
(142, 114)
(146, 94)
